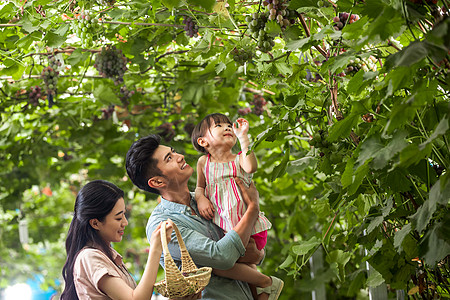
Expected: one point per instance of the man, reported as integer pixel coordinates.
(160, 169)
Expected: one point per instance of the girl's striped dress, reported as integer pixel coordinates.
(223, 192)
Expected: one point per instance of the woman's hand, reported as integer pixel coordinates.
(155, 239)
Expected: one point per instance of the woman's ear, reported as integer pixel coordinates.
(94, 223)
(156, 182)
(202, 142)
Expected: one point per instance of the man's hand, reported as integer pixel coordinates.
(252, 254)
(205, 208)
(250, 194)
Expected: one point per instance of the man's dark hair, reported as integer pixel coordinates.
(204, 125)
(140, 164)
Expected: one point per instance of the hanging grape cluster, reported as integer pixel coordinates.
(34, 95)
(257, 27)
(85, 26)
(108, 112)
(259, 104)
(241, 56)
(279, 12)
(111, 63)
(190, 27)
(325, 148)
(50, 75)
(364, 64)
(244, 111)
(341, 20)
(125, 94)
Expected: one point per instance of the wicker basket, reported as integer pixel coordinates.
(190, 280)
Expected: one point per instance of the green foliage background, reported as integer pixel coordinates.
(355, 165)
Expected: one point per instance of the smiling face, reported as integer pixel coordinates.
(174, 169)
(219, 135)
(113, 226)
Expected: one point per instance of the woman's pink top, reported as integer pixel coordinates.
(90, 266)
(223, 192)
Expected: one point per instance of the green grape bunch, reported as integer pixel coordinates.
(50, 75)
(111, 63)
(241, 56)
(257, 27)
(85, 27)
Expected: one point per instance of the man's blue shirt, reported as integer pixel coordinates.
(206, 244)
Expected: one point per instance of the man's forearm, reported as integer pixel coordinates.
(245, 226)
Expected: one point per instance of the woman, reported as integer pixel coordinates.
(93, 269)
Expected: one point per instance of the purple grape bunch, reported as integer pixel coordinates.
(34, 95)
(190, 27)
(111, 63)
(279, 12)
(342, 18)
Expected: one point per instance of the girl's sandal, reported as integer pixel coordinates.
(273, 290)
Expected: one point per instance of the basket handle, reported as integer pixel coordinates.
(187, 264)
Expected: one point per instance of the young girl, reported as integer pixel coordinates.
(218, 197)
(93, 269)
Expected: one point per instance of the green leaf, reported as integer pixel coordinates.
(299, 165)
(341, 258)
(441, 129)
(374, 279)
(306, 246)
(410, 55)
(374, 223)
(343, 127)
(433, 248)
(347, 176)
(280, 169)
(206, 4)
(77, 56)
(54, 40)
(297, 44)
(106, 95)
(171, 4)
(287, 262)
(220, 67)
(400, 235)
(360, 174)
(436, 196)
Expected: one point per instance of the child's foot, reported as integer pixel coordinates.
(273, 290)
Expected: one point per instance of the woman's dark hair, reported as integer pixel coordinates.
(95, 200)
(140, 164)
(204, 125)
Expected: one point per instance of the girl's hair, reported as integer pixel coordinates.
(204, 125)
(95, 200)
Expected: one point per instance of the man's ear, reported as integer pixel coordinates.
(94, 223)
(156, 182)
(202, 142)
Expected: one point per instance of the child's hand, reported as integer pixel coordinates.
(205, 208)
(241, 129)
